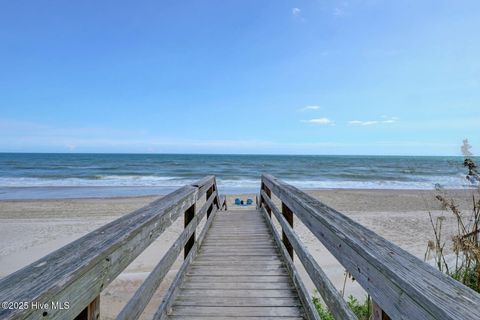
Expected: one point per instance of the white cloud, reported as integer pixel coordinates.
(308, 108)
(296, 12)
(373, 122)
(363, 123)
(320, 121)
(390, 119)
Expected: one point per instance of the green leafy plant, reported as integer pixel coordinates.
(363, 310)
(321, 309)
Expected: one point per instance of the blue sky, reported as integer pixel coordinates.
(288, 77)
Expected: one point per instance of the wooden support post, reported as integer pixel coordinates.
(378, 313)
(288, 214)
(269, 193)
(189, 214)
(91, 312)
(215, 202)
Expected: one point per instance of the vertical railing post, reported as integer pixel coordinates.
(188, 216)
(91, 312)
(288, 214)
(215, 202)
(269, 194)
(378, 313)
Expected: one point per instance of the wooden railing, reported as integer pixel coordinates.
(67, 283)
(401, 285)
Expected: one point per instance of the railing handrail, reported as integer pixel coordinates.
(402, 285)
(77, 272)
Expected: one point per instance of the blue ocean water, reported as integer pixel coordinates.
(98, 175)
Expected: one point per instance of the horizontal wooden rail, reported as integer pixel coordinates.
(400, 284)
(142, 296)
(334, 301)
(76, 273)
(172, 292)
(303, 294)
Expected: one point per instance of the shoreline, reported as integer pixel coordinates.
(64, 193)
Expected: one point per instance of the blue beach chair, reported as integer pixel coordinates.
(249, 202)
(238, 202)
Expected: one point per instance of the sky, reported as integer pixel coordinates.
(239, 76)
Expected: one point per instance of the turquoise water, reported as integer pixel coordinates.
(91, 175)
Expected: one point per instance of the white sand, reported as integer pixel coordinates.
(32, 229)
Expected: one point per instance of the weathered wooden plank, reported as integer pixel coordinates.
(259, 236)
(230, 318)
(239, 293)
(334, 301)
(242, 265)
(232, 273)
(247, 232)
(226, 246)
(403, 285)
(238, 255)
(239, 285)
(237, 311)
(231, 270)
(78, 272)
(237, 258)
(226, 238)
(310, 310)
(237, 236)
(236, 278)
(233, 302)
(247, 251)
(237, 267)
(244, 243)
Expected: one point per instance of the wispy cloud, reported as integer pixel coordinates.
(385, 120)
(310, 108)
(338, 12)
(341, 9)
(297, 14)
(362, 123)
(320, 121)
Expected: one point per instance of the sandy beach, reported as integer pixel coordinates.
(30, 229)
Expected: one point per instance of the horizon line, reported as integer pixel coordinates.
(233, 154)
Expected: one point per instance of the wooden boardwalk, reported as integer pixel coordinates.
(238, 272)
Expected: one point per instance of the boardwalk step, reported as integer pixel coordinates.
(249, 311)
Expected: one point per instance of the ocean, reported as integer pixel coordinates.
(33, 176)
